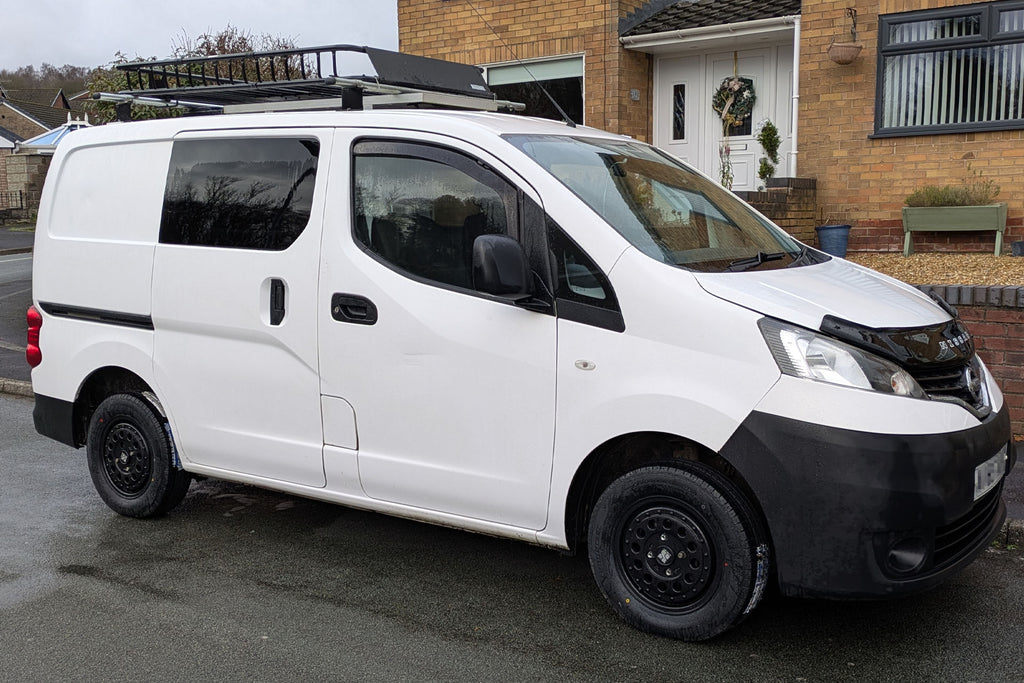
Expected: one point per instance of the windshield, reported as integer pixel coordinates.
(664, 209)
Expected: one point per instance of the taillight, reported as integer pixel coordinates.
(33, 354)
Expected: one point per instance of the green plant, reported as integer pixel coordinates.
(973, 192)
(765, 170)
(770, 142)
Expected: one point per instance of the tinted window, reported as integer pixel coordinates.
(422, 214)
(253, 193)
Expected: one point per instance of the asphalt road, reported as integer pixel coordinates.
(239, 583)
(15, 298)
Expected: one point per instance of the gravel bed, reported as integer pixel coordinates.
(946, 269)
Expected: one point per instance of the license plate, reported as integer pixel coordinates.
(988, 473)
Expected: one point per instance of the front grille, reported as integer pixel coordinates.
(954, 383)
(954, 540)
(948, 382)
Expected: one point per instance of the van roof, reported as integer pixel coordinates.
(468, 125)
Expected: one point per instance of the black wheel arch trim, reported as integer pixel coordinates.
(54, 418)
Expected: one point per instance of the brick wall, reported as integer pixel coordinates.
(791, 203)
(16, 123)
(541, 28)
(26, 172)
(4, 153)
(867, 180)
(995, 317)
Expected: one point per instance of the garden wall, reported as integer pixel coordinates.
(995, 316)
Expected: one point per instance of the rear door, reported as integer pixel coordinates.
(453, 390)
(234, 301)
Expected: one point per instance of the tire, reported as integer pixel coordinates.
(131, 460)
(678, 552)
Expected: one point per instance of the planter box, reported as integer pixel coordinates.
(953, 219)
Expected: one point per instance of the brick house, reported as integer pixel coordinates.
(933, 97)
(31, 112)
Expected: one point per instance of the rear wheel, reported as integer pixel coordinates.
(131, 459)
(677, 552)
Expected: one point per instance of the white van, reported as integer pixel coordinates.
(514, 327)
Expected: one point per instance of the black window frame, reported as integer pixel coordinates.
(989, 36)
(603, 313)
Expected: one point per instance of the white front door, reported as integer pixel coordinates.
(686, 125)
(453, 391)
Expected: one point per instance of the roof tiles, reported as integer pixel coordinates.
(659, 16)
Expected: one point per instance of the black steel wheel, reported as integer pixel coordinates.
(126, 459)
(678, 551)
(131, 459)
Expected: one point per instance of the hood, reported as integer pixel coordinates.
(805, 295)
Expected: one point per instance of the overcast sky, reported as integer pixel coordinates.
(89, 32)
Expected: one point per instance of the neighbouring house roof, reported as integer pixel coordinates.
(658, 16)
(44, 96)
(11, 137)
(48, 117)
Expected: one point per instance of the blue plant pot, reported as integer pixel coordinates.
(832, 239)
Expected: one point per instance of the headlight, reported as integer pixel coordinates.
(802, 353)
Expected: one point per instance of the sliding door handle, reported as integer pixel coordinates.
(276, 301)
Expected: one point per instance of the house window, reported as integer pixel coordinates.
(522, 82)
(679, 111)
(951, 70)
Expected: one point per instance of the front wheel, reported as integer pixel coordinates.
(677, 552)
(131, 459)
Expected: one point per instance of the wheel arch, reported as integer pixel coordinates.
(628, 452)
(100, 384)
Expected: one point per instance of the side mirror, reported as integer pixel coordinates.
(500, 267)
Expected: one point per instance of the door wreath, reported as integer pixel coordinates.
(734, 101)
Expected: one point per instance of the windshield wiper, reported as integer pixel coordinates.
(756, 260)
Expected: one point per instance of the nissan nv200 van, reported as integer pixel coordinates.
(515, 327)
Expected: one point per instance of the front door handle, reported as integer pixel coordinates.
(352, 308)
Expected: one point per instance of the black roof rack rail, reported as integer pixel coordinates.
(306, 78)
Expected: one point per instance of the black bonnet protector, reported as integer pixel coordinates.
(944, 344)
(940, 357)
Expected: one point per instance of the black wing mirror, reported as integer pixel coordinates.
(500, 267)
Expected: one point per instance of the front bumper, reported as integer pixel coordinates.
(846, 509)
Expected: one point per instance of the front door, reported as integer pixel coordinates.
(686, 124)
(453, 391)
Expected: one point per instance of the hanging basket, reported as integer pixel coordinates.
(844, 53)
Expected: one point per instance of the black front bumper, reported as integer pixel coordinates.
(838, 502)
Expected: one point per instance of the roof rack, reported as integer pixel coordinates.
(304, 78)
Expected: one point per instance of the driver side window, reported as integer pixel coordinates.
(419, 208)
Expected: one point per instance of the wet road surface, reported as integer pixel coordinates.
(239, 583)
